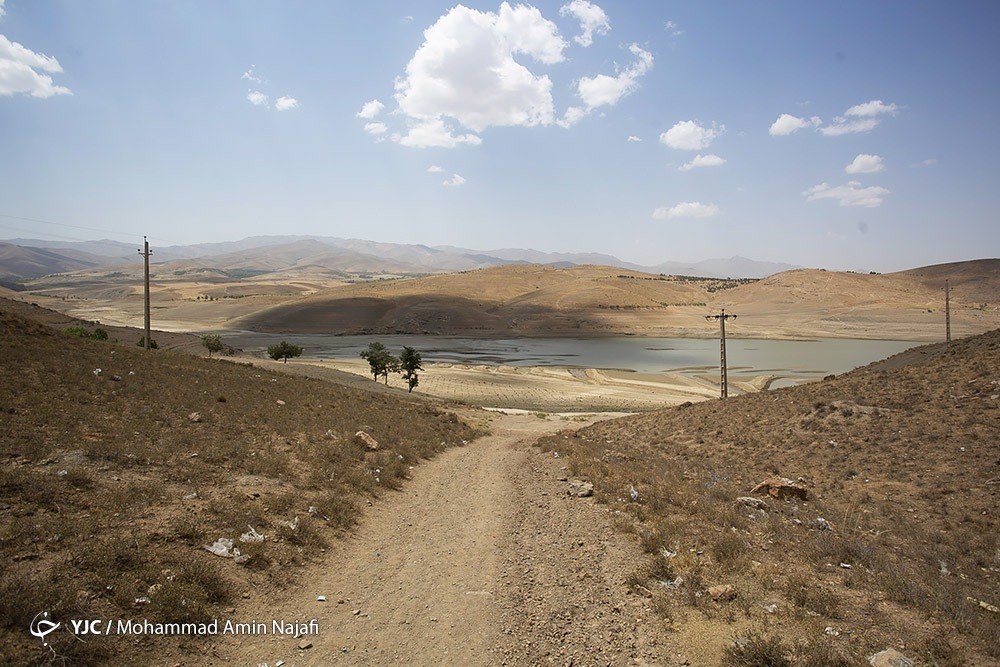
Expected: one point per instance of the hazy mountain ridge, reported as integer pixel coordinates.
(335, 254)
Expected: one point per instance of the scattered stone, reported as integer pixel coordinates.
(781, 487)
(643, 591)
(97, 372)
(580, 489)
(722, 593)
(305, 644)
(320, 598)
(367, 440)
(280, 402)
(820, 524)
(890, 658)
(752, 503)
(985, 605)
(116, 378)
(194, 417)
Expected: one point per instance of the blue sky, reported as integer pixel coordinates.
(843, 135)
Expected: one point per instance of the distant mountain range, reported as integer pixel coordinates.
(23, 259)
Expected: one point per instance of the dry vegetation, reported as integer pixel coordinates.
(896, 545)
(111, 485)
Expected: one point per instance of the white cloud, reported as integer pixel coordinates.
(688, 135)
(703, 161)
(787, 124)
(465, 70)
(673, 28)
(860, 118)
(633, 139)
(454, 181)
(284, 103)
(851, 194)
(257, 98)
(370, 109)
(434, 169)
(591, 17)
(929, 162)
(1, 9)
(865, 164)
(434, 133)
(24, 71)
(376, 128)
(607, 90)
(873, 108)
(688, 209)
(249, 75)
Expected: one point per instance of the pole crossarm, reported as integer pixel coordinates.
(723, 373)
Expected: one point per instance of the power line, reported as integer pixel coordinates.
(64, 224)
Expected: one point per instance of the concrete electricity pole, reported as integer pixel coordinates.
(947, 311)
(724, 375)
(146, 252)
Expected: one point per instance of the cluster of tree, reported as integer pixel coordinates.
(84, 332)
(382, 362)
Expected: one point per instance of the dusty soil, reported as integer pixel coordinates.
(482, 559)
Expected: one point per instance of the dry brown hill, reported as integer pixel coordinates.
(597, 300)
(118, 466)
(896, 544)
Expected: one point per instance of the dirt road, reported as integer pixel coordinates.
(482, 559)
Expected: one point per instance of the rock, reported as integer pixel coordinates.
(367, 440)
(279, 402)
(781, 487)
(752, 503)
(580, 489)
(305, 644)
(194, 417)
(722, 593)
(890, 658)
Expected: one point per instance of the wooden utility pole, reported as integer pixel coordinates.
(146, 252)
(947, 311)
(723, 374)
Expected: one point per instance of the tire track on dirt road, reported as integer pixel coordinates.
(481, 559)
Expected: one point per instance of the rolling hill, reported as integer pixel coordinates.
(533, 300)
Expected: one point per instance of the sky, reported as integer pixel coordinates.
(847, 134)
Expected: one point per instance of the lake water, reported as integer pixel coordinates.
(784, 358)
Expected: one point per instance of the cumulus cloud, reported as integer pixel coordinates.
(787, 124)
(284, 103)
(434, 169)
(454, 181)
(466, 71)
(370, 109)
(703, 161)
(688, 209)
(24, 71)
(688, 135)
(860, 118)
(376, 129)
(257, 98)
(865, 164)
(591, 17)
(634, 139)
(851, 194)
(1, 9)
(604, 90)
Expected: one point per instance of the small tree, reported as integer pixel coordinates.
(152, 342)
(381, 362)
(284, 351)
(213, 343)
(409, 363)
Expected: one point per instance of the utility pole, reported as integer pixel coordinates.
(146, 252)
(947, 311)
(723, 374)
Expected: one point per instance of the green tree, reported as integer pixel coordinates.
(284, 351)
(213, 343)
(380, 360)
(152, 342)
(409, 363)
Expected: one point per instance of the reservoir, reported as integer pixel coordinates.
(792, 359)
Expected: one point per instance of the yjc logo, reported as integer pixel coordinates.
(41, 626)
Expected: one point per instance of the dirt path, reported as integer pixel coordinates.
(482, 559)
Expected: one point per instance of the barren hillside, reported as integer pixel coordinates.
(596, 300)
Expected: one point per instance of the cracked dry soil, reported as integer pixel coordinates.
(481, 559)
